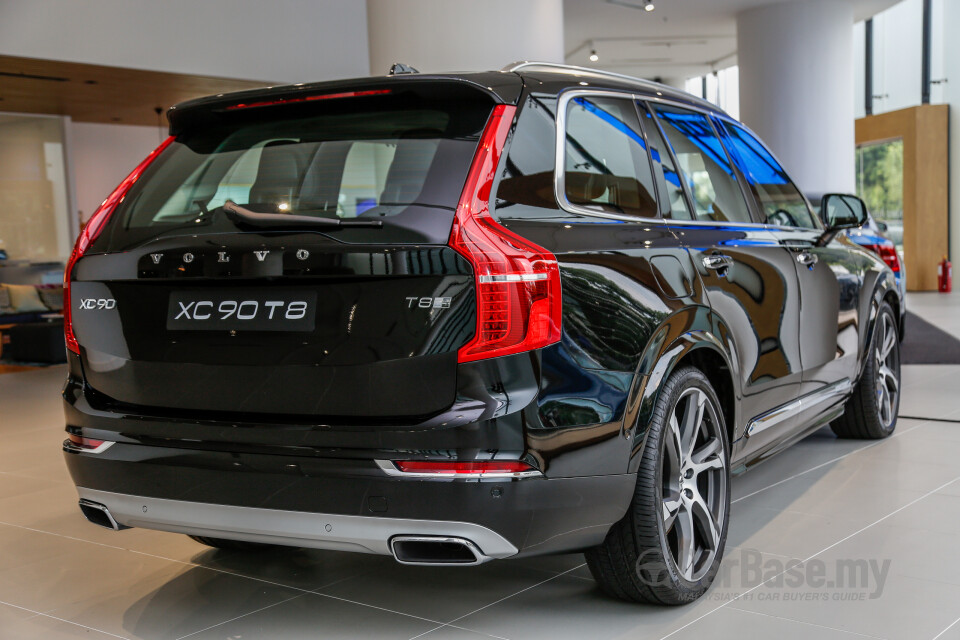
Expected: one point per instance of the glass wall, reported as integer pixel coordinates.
(35, 222)
(880, 185)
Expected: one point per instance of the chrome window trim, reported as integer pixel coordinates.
(559, 169)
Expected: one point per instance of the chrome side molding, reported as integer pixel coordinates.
(831, 393)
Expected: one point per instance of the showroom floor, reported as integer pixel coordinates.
(875, 524)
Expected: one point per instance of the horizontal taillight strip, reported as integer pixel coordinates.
(514, 277)
(458, 469)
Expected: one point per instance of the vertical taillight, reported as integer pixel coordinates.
(90, 232)
(517, 282)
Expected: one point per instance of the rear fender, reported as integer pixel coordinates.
(681, 335)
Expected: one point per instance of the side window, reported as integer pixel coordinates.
(668, 180)
(606, 165)
(781, 201)
(525, 189)
(704, 165)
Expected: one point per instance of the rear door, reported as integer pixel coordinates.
(290, 259)
(829, 276)
(750, 279)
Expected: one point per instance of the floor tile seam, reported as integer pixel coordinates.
(824, 550)
(828, 462)
(71, 622)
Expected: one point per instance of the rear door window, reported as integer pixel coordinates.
(704, 164)
(606, 168)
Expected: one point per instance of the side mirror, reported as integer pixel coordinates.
(841, 211)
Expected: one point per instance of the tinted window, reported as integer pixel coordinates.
(525, 188)
(668, 180)
(779, 198)
(606, 165)
(704, 165)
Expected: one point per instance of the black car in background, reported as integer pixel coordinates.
(455, 318)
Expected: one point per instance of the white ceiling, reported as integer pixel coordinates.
(680, 39)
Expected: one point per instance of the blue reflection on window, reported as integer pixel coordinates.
(610, 119)
(753, 159)
(697, 130)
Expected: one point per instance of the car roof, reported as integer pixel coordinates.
(504, 86)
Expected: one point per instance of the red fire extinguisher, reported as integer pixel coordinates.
(944, 276)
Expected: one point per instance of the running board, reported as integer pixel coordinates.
(829, 394)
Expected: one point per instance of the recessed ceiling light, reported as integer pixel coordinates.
(648, 6)
(593, 55)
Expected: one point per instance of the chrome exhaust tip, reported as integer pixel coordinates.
(99, 514)
(437, 551)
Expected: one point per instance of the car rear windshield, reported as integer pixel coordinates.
(374, 158)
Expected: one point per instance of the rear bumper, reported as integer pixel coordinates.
(337, 504)
(336, 532)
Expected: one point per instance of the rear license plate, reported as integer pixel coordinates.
(247, 309)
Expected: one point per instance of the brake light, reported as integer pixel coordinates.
(322, 96)
(90, 232)
(888, 253)
(462, 469)
(517, 282)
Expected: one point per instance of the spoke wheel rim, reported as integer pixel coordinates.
(887, 385)
(694, 484)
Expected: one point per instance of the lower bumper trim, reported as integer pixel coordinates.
(292, 528)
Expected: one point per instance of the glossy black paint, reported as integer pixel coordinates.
(236, 420)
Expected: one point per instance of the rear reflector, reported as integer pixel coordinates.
(473, 468)
(90, 232)
(517, 282)
(87, 445)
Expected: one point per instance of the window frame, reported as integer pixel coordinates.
(559, 167)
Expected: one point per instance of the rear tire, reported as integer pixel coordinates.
(668, 547)
(232, 545)
(871, 412)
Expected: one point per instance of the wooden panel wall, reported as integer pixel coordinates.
(925, 134)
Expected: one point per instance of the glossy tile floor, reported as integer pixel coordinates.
(833, 539)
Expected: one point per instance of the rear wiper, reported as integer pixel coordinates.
(244, 217)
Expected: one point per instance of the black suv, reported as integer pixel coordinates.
(461, 317)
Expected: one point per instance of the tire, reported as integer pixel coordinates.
(232, 545)
(640, 558)
(871, 412)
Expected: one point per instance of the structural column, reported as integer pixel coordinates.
(463, 35)
(797, 88)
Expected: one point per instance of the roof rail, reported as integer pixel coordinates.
(524, 64)
(530, 64)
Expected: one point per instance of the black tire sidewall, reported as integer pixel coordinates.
(680, 381)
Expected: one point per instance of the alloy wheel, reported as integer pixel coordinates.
(887, 355)
(694, 484)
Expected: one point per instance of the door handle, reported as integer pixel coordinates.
(717, 261)
(807, 259)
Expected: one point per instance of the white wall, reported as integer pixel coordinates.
(103, 155)
(274, 40)
(463, 35)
